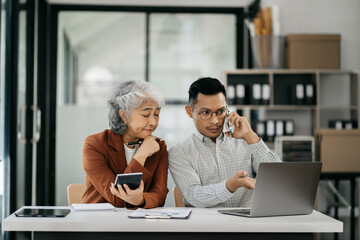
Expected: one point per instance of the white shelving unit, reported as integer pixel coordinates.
(336, 96)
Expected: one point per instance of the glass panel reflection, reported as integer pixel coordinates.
(184, 47)
(95, 51)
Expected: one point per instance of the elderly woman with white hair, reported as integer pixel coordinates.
(133, 116)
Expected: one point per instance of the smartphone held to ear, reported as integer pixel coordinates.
(227, 127)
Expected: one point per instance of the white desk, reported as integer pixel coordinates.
(202, 224)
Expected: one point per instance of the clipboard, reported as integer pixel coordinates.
(160, 213)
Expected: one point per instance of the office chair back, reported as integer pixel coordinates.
(75, 192)
(178, 197)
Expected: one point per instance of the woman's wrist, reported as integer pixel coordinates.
(140, 158)
(141, 202)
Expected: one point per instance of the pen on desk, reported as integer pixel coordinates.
(140, 142)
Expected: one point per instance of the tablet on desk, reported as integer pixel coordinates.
(131, 179)
(42, 212)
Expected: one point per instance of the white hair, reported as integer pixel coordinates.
(130, 95)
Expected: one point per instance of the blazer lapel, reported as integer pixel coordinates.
(117, 152)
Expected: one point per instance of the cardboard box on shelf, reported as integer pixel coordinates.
(309, 51)
(339, 150)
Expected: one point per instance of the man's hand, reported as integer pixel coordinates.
(240, 179)
(146, 149)
(134, 197)
(242, 128)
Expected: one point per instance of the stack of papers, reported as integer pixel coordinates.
(93, 207)
(160, 213)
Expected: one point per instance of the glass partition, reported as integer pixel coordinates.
(184, 47)
(97, 50)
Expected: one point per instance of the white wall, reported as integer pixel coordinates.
(324, 16)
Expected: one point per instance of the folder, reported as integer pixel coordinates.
(240, 94)
(299, 94)
(265, 94)
(93, 207)
(338, 124)
(160, 213)
(256, 94)
(289, 127)
(231, 94)
(261, 130)
(309, 92)
(279, 128)
(348, 124)
(354, 123)
(342, 124)
(270, 130)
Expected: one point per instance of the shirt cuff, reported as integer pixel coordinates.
(222, 192)
(135, 166)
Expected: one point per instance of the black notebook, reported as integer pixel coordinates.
(42, 212)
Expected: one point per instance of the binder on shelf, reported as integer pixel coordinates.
(279, 128)
(309, 93)
(289, 128)
(231, 94)
(299, 94)
(240, 112)
(270, 130)
(261, 130)
(255, 94)
(342, 124)
(338, 124)
(348, 124)
(240, 94)
(265, 94)
(254, 116)
(331, 123)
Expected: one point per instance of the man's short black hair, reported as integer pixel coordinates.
(206, 86)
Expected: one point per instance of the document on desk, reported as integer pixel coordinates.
(93, 207)
(160, 213)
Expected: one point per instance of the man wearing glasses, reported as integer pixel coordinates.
(212, 168)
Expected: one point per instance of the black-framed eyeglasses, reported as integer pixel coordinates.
(206, 114)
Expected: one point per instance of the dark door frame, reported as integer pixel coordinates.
(13, 9)
(12, 160)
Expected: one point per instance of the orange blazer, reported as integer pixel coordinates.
(104, 158)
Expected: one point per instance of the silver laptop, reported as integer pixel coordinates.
(282, 188)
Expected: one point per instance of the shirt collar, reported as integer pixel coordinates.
(203, 138)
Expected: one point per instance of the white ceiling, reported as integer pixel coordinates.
(170, 3)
